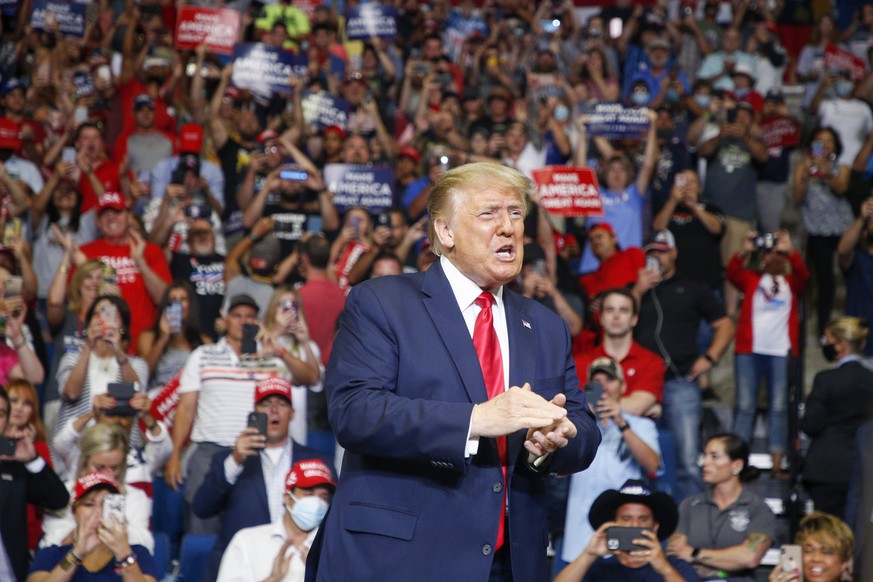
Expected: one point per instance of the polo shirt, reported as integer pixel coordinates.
(643, 370)
(619, 270)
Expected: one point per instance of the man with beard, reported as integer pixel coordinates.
(203, 267)
(235, 155)
(292, 194)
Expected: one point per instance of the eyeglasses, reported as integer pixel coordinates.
(197, 233)
(271, 150)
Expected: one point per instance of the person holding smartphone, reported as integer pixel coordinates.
(827, 544)
(634, 505)
(629, 450)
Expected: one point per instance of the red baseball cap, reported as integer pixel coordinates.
(409, 152)
(111, 200)
(10, 134)
(335, 129)
(308, 474)
(267, 135)
(602, 226)
(274, 385)
(190, 139)
(91, 481)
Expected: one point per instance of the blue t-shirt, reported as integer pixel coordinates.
(624, 212)
(859, 290)
(608, 569)
(47, 558)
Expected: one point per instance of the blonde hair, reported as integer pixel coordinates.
(442, 202)
(853, 330)
(102, 438)
(827, 530)
(273, 306)
(74, 294)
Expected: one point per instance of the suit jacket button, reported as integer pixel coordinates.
(497, 487)
(486, 550)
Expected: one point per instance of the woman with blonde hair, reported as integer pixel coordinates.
(103, 448)
(827, 544)
(285, 335)
(841, 400)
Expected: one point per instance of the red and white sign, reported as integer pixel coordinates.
(217, 28)
(780, 132)
(837, 58)
(568, 191)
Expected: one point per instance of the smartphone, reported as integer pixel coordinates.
(653, 265)
(11, 231)
(7, 446)
(615, 28)
(290, 305)
(732, 115)
(122, 392)
(198, 211)
(174, 316)
(817, 148)
(384, 219)
(109, 313)
(80, 116)
(250, 332)
(355, 222)
(539, 267)
(681, 180)
(258, 420)
(620, 539)
(68, 155)
(791, 560)
(294, 175)
(593, 394)
(13, 285)
(113, 506)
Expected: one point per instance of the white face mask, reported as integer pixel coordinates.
(307, 512)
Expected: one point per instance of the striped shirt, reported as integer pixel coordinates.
(227, 392)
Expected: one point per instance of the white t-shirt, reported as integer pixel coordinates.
(852, 120)
(771, 308)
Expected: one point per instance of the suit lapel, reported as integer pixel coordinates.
(440, 303)
(522, 357)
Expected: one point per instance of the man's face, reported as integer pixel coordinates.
(398, 228)
(333, 143)
(384, 268)
(279, 414)
(274, 152)
(237, 318)
(113, 223)
(144, 117)
(484, 236)
(318, 491)
(602, 243)
(516, 139)
(731, 40)
(659, 57)
(248, 125)
(355, 150)
(14, 101)
(431, 49)
(617, 315)
(201, 238)
(613, 388)
(634, 515)
(91, 142)
(667, 260)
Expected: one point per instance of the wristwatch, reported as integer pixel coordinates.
(695, 553)
(124, 563)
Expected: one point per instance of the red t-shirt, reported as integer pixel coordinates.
(164, 121)
(643, 370)
(323, 301)
(108, 175)
(130, 281)
(619, 270)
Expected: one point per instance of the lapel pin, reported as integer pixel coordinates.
(526, 324)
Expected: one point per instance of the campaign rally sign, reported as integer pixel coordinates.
(837, 59)
(323, 110)
(568, 191)
(615, 121)
(372, 188)
(217, 28)
(780, 132)
(70, 16)
(8, 5)
(84, 84)
(371, 20)
(264, 69)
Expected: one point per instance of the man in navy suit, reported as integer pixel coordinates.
(439, 482)
(246, 485)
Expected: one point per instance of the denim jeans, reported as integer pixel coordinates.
(682, 415)
(749, 370)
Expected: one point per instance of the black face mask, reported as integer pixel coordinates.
(829, 351)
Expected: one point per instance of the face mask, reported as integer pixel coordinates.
(640, 98)
(829, 351)
(702, 100)
(561, 113)
(742, 92)
(844, 88)
(307, 512)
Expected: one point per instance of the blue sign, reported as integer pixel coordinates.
(266, 70)
(84, 84)
(366, 186)
(70, 16)
(615, 121)
(323, 110)
(371, 20)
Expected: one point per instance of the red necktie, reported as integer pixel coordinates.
(488, 350)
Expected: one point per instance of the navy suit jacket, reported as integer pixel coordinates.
(401, 384)
(243, 504)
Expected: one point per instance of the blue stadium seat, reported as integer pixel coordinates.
(195, 555)
(168, 514)
(162, 553)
